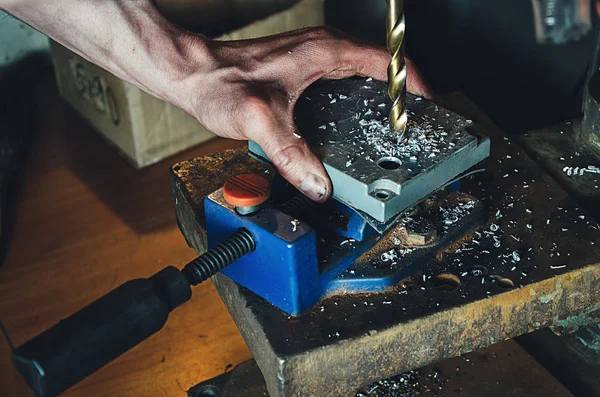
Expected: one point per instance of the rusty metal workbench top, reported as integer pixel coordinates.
(534, 264)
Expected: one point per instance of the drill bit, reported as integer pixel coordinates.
(396, 26)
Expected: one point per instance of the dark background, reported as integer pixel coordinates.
(487, 50)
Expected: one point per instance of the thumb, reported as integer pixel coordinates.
(294, 160)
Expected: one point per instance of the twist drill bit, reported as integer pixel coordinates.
(396, 26)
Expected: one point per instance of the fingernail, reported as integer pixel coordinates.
(314, 187)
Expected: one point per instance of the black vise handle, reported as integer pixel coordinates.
(81, 344)
(100, 332)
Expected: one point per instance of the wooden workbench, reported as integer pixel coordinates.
(86, 222)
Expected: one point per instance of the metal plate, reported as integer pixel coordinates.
(345, 123)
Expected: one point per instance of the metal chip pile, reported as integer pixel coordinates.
(408, 384)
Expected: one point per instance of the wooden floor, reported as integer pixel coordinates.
(87, 222)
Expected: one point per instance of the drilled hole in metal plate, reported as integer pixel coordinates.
(382, 194)
(446, 281)
(478, 271)
(389, 163)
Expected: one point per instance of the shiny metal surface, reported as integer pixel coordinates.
(396, 27)
(373, 171)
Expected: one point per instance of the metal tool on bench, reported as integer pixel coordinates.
(271, 246)
(372, 171)
(453, 304)
(375, 177)
(289, 262)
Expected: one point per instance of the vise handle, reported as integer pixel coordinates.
(81, 344)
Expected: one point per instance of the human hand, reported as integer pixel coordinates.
(238, 89)
(252, 87)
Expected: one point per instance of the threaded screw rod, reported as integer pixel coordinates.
(396, 27)
(221, 256)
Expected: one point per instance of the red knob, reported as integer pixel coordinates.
(247, 190)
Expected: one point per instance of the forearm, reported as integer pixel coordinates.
(131, 39)
(242, 90)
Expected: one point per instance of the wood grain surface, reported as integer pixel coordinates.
(87, 222)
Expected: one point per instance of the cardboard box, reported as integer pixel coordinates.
(146, 129)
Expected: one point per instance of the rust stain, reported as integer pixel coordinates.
(449, 249)
(465, 328)
(203, 175)
(552, 295)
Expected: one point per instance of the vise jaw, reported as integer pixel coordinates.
(294, 262)
(306, 252)
(376, 179)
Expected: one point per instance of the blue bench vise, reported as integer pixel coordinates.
(285, 249)
(291, 267)
(304, 251)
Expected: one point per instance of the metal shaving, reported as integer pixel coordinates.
(422, 140)
(408, 384)
(295, 223)
(576, 171)
(368, 131)
(452, 215)
(389, 256)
